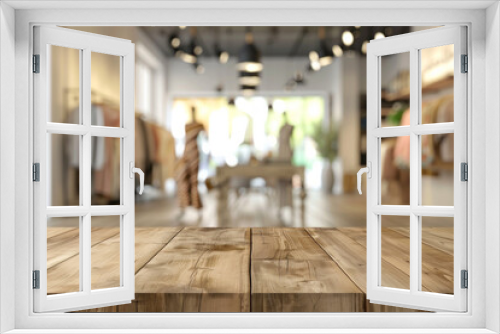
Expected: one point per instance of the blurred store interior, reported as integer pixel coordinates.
(312, 79)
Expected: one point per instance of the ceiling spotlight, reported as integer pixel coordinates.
(182, 27)
(198, 50)
(298, 78)
(174, 41)
(315, 66)
(199, 68)
(189, 56)
(325, 54)
(347, 38)
(222, 55)
(313, 56)
(249, 79)
(379, 35)
(249, 56)
(364, 47)
(337, 51)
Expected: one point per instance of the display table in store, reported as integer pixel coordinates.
(268, 171)
(196, 269)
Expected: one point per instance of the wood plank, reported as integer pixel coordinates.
(437, 237)
(290, 272)
(151, 235)
(53, 231)
(200, 270)
(105, 253)
(62, 246)
(437, 267)
(351, 257)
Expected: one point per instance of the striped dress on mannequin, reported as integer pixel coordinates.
(187, 172)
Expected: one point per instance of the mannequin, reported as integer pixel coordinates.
(285, 152)
(285, 155)
(187, 173)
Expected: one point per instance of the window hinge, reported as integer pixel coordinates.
(465, 279)
(36, 279)
(36, 63)
(464, 171)
(36, 172)
(465, 64)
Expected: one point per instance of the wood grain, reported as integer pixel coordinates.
(437, 237)
(200, 269)
(290, 272)
(196, 269)
(437, 266)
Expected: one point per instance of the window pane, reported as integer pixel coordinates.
(437, 68)
(105, 252)
(64, 85)
(105, 85)
(63, 170)
(395, 83)
(63, 255)
(395, 251)
(437, 169)
(106, 179)
(437, 254)
(395, 170)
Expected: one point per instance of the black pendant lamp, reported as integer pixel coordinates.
(249, 56)
(248, 90)
(325, 53)
(191, 53)
(249, 79)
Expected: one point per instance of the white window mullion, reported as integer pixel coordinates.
(86, 164)
(414, 172)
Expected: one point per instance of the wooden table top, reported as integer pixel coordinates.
(258, 269)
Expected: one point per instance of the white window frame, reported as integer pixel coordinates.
(86, 44)
(484, 49)
(412, 44)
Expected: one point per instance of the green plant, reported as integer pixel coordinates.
(326, 141)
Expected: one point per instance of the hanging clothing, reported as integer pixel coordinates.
(97, 144)
(107, 179)
(187, 171)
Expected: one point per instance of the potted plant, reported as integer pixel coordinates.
(326, 144)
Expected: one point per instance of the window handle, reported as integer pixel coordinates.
(141, 176)
(368, 171)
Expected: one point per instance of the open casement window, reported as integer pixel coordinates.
(69, 138)
(428, 145)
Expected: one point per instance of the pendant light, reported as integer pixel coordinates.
(347, 37)
(249, 79)
(248, 90)
(190, 55)
(221, 54)
(325, 53)
(249, 56)
(337, 51)
(174, 41)
(199, 68)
